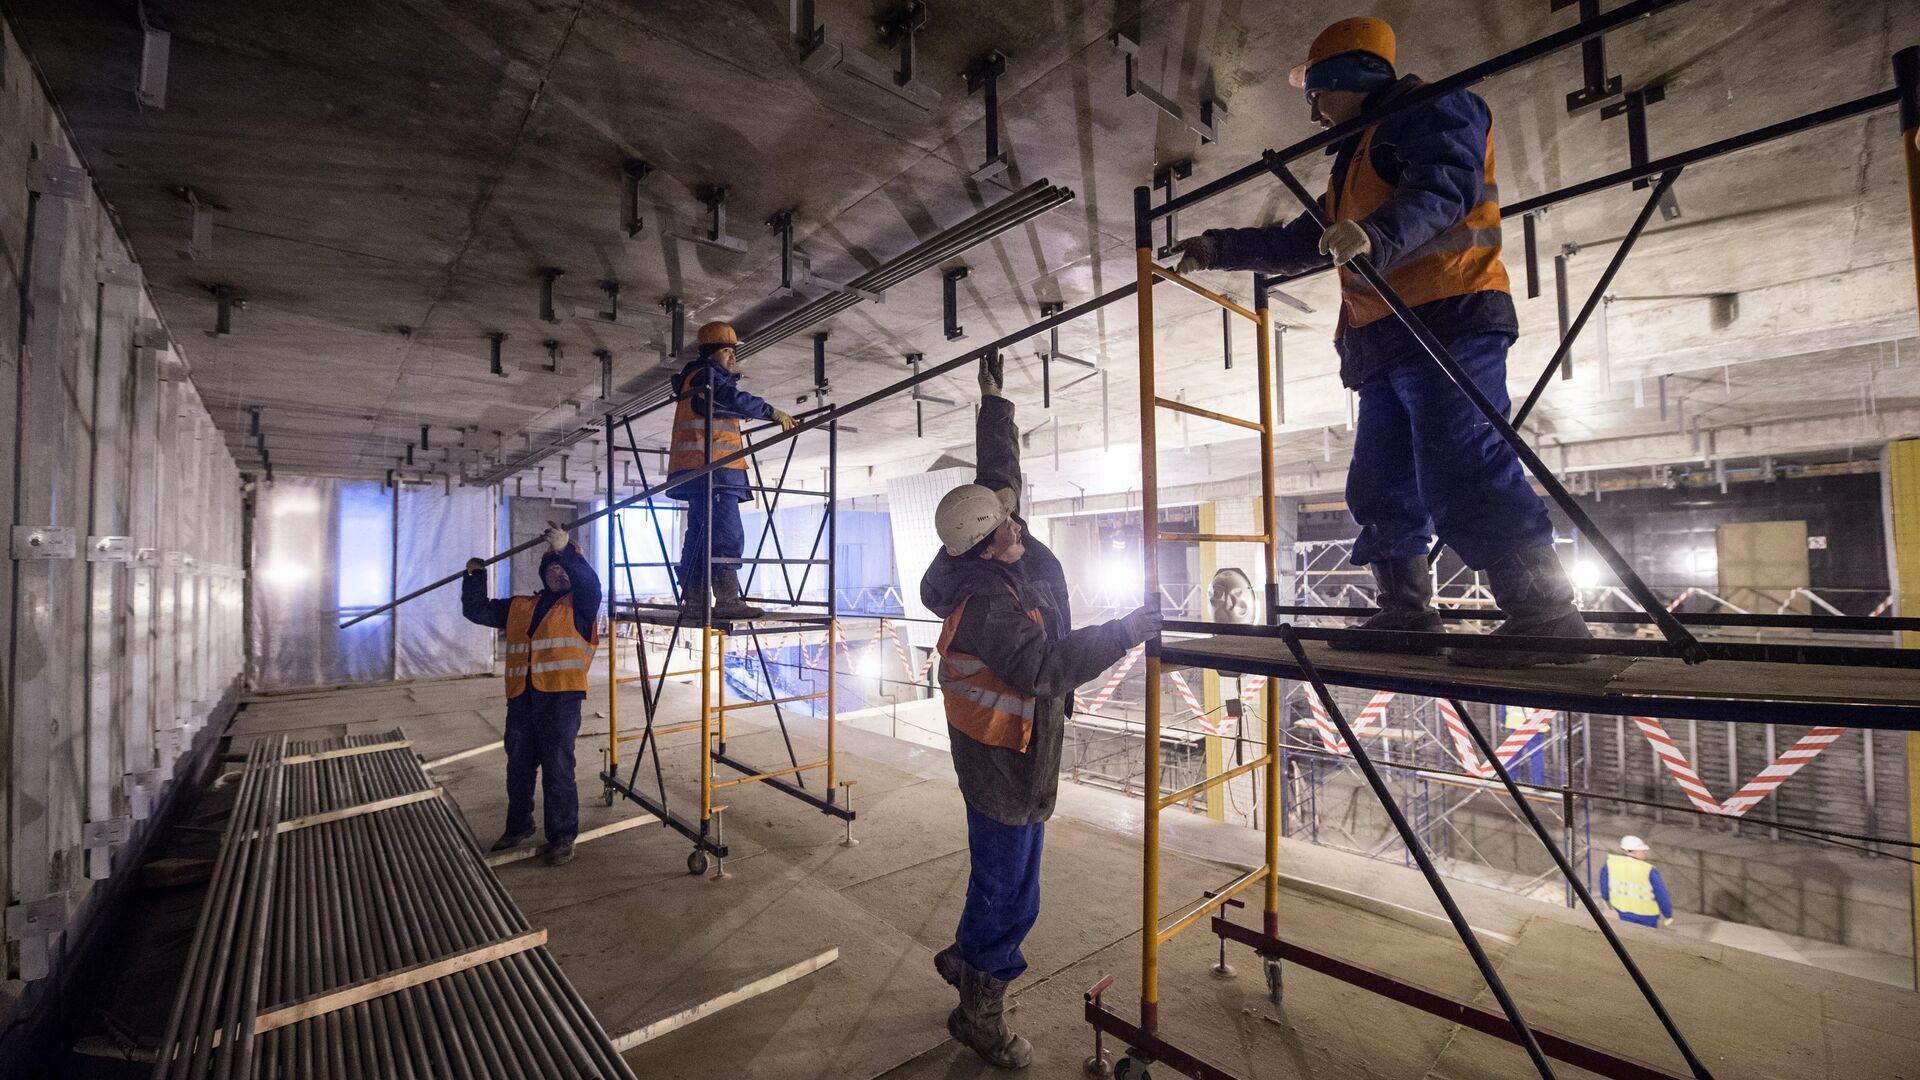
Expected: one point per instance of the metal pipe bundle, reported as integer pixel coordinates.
(1011, 212)
(358, 899)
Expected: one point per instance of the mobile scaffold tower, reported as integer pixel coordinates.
(786, 578)
(1681, 676)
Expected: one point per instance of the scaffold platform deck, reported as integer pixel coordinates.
(1738, 690)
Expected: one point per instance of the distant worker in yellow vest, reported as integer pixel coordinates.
(1415, 194)
(710, 387)
(1632, 887)
(550, 643)
(1009, 664)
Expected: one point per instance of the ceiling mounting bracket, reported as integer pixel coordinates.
(200, 227)
(1633, 105)
(225, 303)
(676, 327)
(1597, 87)
(1200, 120)
(818, 55)
(495, 364)
(1168, 176)
(714, 234)
(984, 77)
(549, 275)
(950, 302)
(632, 172)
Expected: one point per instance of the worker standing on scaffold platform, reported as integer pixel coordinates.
(1009, 664)
(1415, 194)
(710, 386)
(1632, 887)
(550, 645)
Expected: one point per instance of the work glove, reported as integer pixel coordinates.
(785, 420)
(1196, 253)
(1344, 240)
(1666, 921)
(476, 564)
(993, 375)
(1141, 623)
(555, 536)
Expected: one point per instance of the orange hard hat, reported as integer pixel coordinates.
(1347, 36)
(717, 333)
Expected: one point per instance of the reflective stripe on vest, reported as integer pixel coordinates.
(1459, 261)
(556, 660)
(688, 449)
(979, 705)
(1630, 885)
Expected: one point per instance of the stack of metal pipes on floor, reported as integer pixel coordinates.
(353, 929)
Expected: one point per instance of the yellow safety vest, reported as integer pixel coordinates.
(979, 705)
(688, 449)
(1460, 261)
(555, 657)
(1630, 885)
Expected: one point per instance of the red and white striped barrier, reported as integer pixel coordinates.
(1536, 722)
(1373, 714)
(1790, 761)
(1113, 681)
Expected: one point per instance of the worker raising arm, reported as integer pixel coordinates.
(1008, 666)
(550, 645)
(1415, 194)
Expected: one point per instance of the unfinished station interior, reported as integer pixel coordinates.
(925, 539)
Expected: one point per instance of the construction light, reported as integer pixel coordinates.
(1586, 574)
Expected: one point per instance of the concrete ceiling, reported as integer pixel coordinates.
(389, 179)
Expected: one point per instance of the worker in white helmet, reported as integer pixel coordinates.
(1631, 886)
(1009, 665)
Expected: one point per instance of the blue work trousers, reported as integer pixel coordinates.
(721, 513)
(1426, 461)
(1003, 894)
(541, 729)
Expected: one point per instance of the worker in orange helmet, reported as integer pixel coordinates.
(1415, 194)
(709, 387)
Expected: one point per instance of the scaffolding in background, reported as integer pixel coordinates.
(706, 644)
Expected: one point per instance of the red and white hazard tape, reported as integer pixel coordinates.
(1790, 761)
(1537, 721)
(1113, 682)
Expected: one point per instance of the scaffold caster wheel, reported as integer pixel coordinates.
(608, 796)
(697, 861)
(1273, 981)
(1128, 1069)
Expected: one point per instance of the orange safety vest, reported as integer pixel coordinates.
(555, 657)
(979, 705)
(1460, 261)
(689, 450)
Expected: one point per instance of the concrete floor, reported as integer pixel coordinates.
(642, 938)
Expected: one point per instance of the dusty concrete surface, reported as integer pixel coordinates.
(643, 939)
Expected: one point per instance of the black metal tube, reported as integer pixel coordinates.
(1580, 889)
(1419, 853)
(1846, 624)
(1675, 633)
(885, 392)
(1572, 332)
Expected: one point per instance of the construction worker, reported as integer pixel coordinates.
(710, 386)
(1415, 194)
(1009, 666)
(550, 644)
(1631, 886)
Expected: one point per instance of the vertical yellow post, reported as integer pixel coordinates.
(1270, 528)
(1903, 464)
(1211, 698)
(613, 693)
(833, 701)
(1150, 555)
(706, 726)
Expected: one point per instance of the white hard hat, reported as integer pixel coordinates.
(1633, 843)
(966, 516)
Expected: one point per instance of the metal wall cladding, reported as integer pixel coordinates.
(123, 507)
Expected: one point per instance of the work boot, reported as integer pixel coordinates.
(1405, 600)
(1531, 588)
(559, 853)
(509, 841)
(727, 603)
(980, 1021)
(948, 963)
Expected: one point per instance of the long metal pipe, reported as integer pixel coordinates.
(819, 420)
